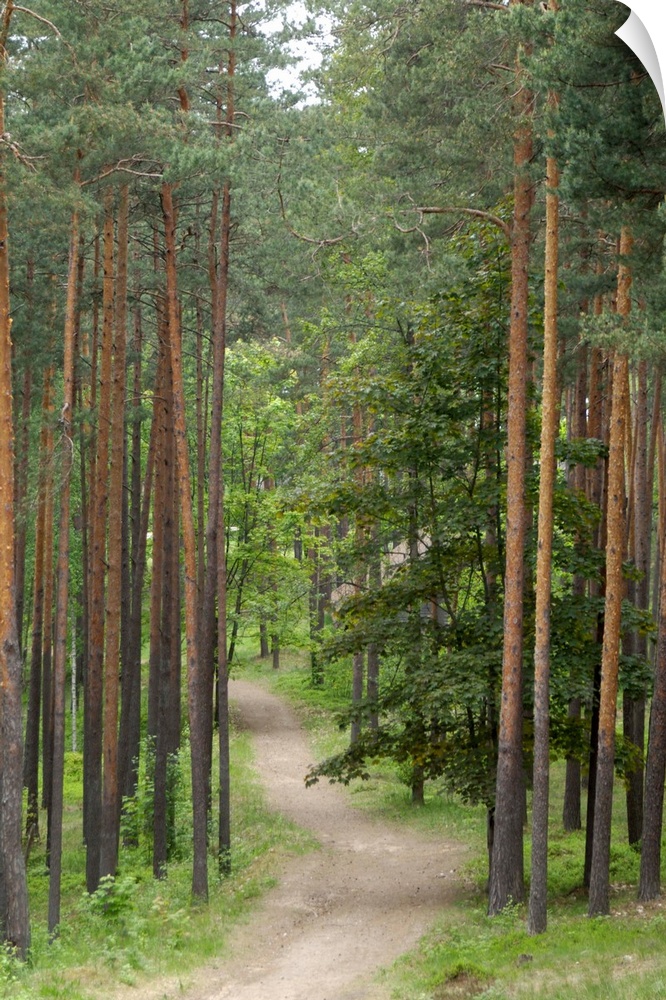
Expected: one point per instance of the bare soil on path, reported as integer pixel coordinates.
(340, 913)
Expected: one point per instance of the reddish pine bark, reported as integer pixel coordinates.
(197, 712)
(506, 874)
(110, 789)
(16, 918)
(634, 708)
(537, 913)
(599, 900)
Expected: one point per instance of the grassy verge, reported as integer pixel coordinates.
(136, 928)
(622, 957)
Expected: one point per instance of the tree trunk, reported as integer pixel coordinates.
(219, 293)
(649, 886)
(60, 659)
(22, 464)
(164, 699)
(197, 712)
(94, 714)
(634, 708)
(506, 877)
(264, 647)
(571, 811)
(31, 758)
(537, 914)
(315, 612)
(159, 500)
(16, 922)
(110, 790)
(224, 814)
(599, 421)
(599, 901)
(130, 716)
(47, 632)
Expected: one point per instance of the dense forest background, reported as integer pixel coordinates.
(377, 374)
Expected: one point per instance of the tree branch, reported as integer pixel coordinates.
(486, 3)
(300, 236)
(22, 157)
(121, 168)
(4, 32)
(50, 24)
(476, 212)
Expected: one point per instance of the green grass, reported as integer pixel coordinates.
(138, 928)
(622, 957)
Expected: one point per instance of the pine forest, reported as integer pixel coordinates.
(348, 373)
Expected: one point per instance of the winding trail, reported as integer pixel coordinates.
(341, 912)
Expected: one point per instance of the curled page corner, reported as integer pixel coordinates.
(643, 33)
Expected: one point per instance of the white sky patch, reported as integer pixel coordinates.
(307, 52)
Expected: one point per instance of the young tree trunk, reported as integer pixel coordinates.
(60, 659)
(506, 876)
(224, 813)
(649, 886)
(571, 811)
(16, 918)
(264, 648)
(164, 694)
(130, 715)
(599, 901)
(634, 708)
(654, 466)
(47, 631)
(599, 422)
(195, 686)
(219, 295)
(22, 464)
(159, 431)
(315, 611)
(537, 914)
(31, 758)
(110, 790)
(358, 661)
(93, 709)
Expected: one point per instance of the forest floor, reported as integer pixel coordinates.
(338, 914)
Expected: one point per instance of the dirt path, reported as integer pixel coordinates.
(339, 913)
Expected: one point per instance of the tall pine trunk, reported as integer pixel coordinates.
(16, 923)
(537, 916)
(599, 901)
(110, 788)
(195, 687)
(634, 707)
(94, 713)
(31, 757)
(60, 658)
(649, 886)
(506, 873)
